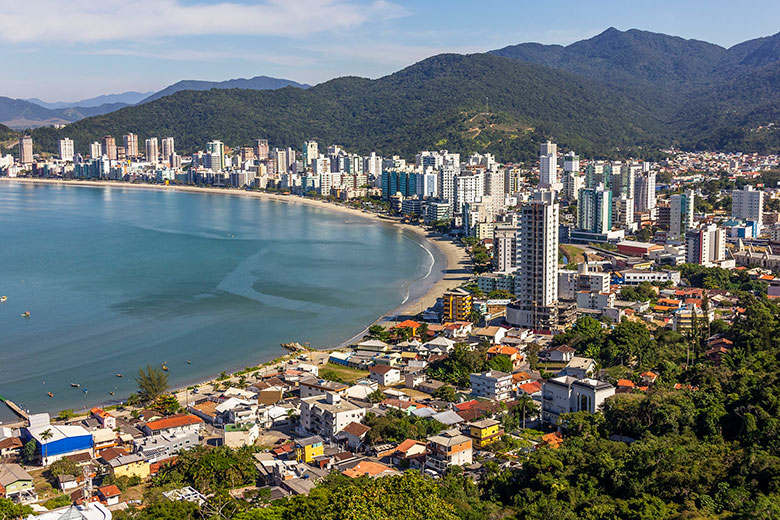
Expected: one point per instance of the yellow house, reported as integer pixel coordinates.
(485, 431)
(130, 466)
(309, 448)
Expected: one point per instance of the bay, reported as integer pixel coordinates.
(115, 278)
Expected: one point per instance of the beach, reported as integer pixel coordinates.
(449, 270)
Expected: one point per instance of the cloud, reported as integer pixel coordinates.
(87, 21)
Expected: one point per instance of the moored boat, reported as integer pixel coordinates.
(75, 385)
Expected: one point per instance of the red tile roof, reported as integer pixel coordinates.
(109, 491)
(175, 421)
(408, 324)
(530, 388)
(356, 429)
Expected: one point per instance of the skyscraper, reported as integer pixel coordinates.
(66, 149)
(167, 149)
(644, 190)
(218, 148)
(548, 165)
(681, 214)
(108, 147)
(95, 150)
(26, 150)
(748, 204)
(536, 281)
(152, 150)
(310, 152)
(594, 210)
(505, 249)
(261, 149)
(705, 245)
(131, 145)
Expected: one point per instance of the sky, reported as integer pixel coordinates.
(75, 49)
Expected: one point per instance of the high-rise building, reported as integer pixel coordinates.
(572, 183)
(594, 210)
(95, 150)
(310, 152)
(108, 147)
(548, 165)
(705, 245)
(623, 213)
(748, 204)
(131, 145)
(457, 305)
(505, 249)
(644, 192)
(261, 149)
(217, 148)
(26, 150)
(152, 150)
(681, 214)
(598, 172)
(571, 162)
(536, 278)
(167, 149)
(468, 189)
(66, 149)
(447, 175)
(623, 179)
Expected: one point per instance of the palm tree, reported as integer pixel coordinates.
(45, 436)
(524, 405)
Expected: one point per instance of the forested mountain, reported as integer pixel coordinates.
(256, 83)
(126, 98)
(608, 96)
(18, 113)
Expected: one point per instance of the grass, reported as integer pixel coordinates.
(341, 373)
(572, 253)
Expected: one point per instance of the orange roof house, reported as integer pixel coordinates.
(553, 440)
(370, 469)
(181, 421)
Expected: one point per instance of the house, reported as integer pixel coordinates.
(109, 495)
(449, 448)
(309, 448)
(552, 440)
(175, 424)
(243, 434)
(408, 451)
(565, 394)
(439, 345)
(104, 438)
(384, 375)
(503, 350)
(206, 410)
(373, 345)
(328, 415)
(559, 354)
(16, 484)
(485, 431)
(312, 386)
(648, 377)
(579, 367)
(130, 465)
(409, 324)
(56, 441)
(367, 468)
(106, 419)
(10, 447)
(534, 389)
(492, 384)
(354, 433)
(164, 446)
(67, 482)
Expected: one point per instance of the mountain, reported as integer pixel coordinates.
(126, 98)
(256, 83)
(439, 102)
(20, 114)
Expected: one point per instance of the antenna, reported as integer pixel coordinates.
(87, 487)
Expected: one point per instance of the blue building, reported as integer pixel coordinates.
(395, 181)
(56, 441)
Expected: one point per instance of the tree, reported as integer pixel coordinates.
(377, 332)
(66, 414)
(45, 436)
(29, 451)
(152, 383)
(11, 510)
(524, 406)
(445, 393)
(501, 363)
(64, 467)
(166, 404)
(376, 396)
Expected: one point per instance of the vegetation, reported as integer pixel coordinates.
(342, 374)
(152, 383)
(445, 393)
(397, 426)
(11, 510)
(64, 467)
(210, 469)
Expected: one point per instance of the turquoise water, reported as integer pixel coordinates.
(115, 278)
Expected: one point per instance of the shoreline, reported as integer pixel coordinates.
(454, 271)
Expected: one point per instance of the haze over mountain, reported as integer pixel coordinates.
(126, 98)
(256, 83)
(601, 96)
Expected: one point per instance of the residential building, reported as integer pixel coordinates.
(748, 204)
(536, 280)
(328, 415)
(705, 245)
(594, 210)
(485, 431)
(548, 166)
(492, 384)
(108, 148)
(637, 276)
(66, 149)
(596, 301)
(132, 465)
(457, 305)
(16, 484)
(311, 386)
(152, 150)
(131, 145)
(309, 448)
(450, 448)
(681, 214)
(26, 150)
(217, 151)
(175, 424)
(505, 249)
(579, 367)
(95, 150)
(164, 446)
(261, 149)
(384, 375)
(168, 149)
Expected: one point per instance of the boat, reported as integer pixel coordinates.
(119, 375)
(51, 394)
(165, 368)
(189, 362)
(26, 314)
(111, 393)
(3, 299)
(75, 385)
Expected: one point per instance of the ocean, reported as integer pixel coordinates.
(116, 277)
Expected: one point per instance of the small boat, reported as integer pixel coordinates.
(75, 385)
(3, 299)
(85, 391)
(51, 394)
(189, 362)
(119, 375)
(26, 314)
(165, 368)
(111, 393)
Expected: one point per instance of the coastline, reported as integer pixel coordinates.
(453, 272)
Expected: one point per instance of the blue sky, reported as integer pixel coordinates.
(74, 49)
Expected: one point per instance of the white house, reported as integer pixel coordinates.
(384, 375)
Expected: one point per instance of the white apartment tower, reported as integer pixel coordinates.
(536, 281)
(468, 189)
(66, 149)
(131, 145)
(681, 214)
(95, 150)
(748, 204)
(705, 246)
(310, 152)
(548, 165)
(505, 249)
(644, 192)
(167, 149)
(152, 150)
(261, 149)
